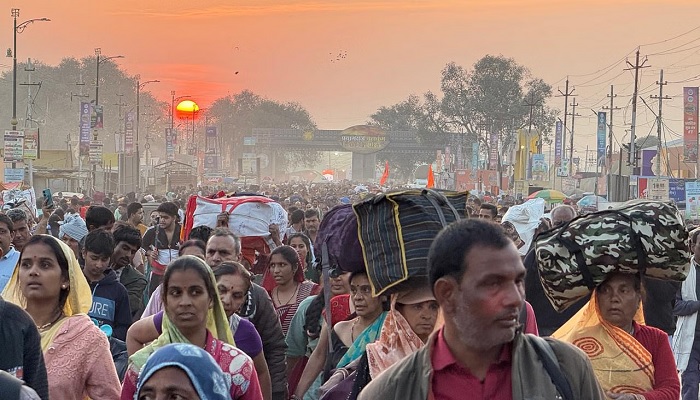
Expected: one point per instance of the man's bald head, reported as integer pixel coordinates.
(562, 214)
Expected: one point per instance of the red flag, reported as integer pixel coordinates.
(385, 175)
(431, 178)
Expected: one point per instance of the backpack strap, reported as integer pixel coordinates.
(551, 365)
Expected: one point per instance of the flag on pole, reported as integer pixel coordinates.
(385, 175)
(431, 178)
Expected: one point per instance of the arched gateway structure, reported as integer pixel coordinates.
(365, 142)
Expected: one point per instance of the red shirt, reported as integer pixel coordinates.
(453, 381)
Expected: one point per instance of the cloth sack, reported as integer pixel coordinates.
(640, 236)
(396, 230)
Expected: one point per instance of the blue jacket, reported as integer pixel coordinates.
(110, 304)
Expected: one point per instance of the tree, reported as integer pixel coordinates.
(238, 115)
(493, 97)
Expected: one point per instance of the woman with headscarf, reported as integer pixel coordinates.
(348, 338)
(49, 284)
(72, 230)
(194, 315)
(285, 283)
(632, 361)
(183, 371)
(412, 318)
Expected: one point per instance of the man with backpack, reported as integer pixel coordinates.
(477, 278)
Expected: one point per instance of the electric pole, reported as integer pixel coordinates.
(571, 139)
(636, 67)
(532, 103)
(28, 119)
(610, 109)
(566, 94)
(120, 146)
(661, 99)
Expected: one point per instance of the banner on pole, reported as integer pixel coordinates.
(602, 130)
(690, 124)
(84, 128)
(129, 133)
(493, 151)
(211, 139)
(31, 144)
(169, 144)
(557, 143)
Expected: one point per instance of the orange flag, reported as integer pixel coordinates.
(431, 178)
(385, 175)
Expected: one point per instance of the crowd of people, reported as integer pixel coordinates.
(96, 304)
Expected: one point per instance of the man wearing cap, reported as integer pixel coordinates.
(72, 231)
(9, 256)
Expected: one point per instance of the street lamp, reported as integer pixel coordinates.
(98, 52)
(17, 29)
(139, 85)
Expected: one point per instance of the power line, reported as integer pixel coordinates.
(673, 38)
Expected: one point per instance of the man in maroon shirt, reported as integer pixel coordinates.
(477, 277)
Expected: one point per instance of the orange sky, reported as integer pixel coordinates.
(283, 49)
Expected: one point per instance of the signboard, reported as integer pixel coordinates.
(690, 124)
(557, 144)
(657, 189)
(602, 129)
(211, 162)
(210, 139)
(649, 161)
(568, 184)
(31, 143)
(692, 199)
(14, 146)
(95, 153)
(14, 175)
(539, 167)
(169, 144)
(129, 133)
(364, 139)
(493, 151)
(676, 189)
(249, 141)
(84, 127)
(563, 171)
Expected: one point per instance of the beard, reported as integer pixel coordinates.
(476, 333)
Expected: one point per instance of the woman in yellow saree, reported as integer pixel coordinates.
(632, 361)
(49, 284)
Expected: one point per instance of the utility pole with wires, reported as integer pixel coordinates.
(661, 99)
(532, 103)
(29, 118)
(636, 67)
(566, 94)
(571, 139)
(610, 110)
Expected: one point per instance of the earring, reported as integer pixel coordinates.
(63, 286)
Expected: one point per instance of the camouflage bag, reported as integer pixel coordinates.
(641, 236)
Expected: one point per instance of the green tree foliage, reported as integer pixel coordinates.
(239, 114)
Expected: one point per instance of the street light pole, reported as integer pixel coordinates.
(17, 29)
(98, 52)
(139, 85)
